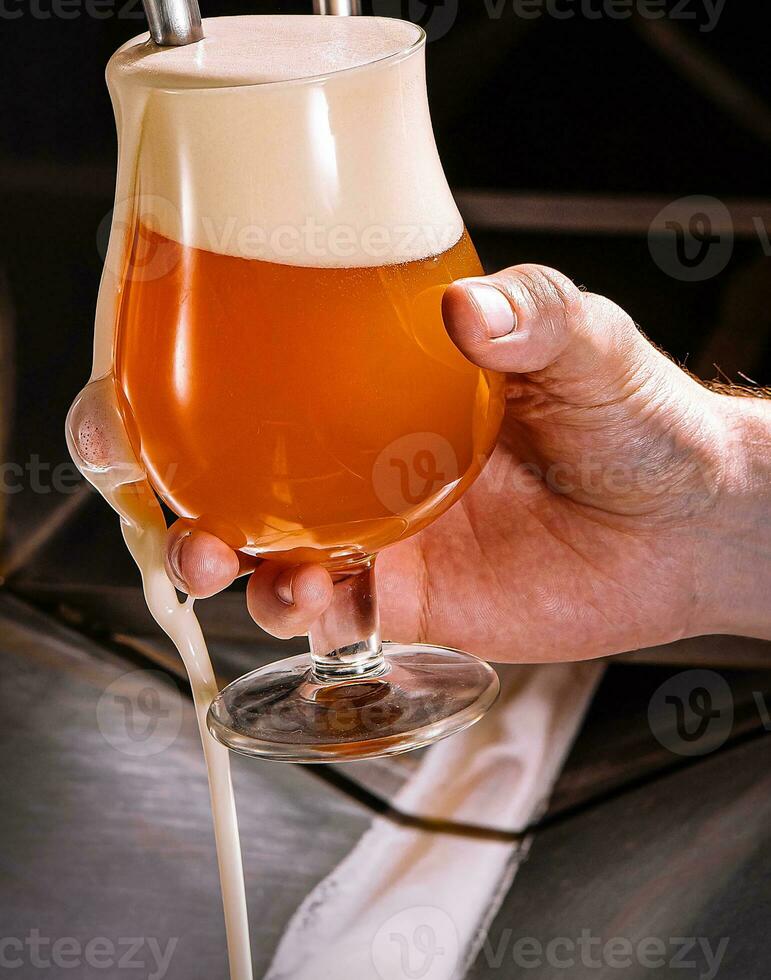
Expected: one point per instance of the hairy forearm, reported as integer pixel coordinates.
(735, 550)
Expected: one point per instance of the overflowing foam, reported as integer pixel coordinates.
(243, 150)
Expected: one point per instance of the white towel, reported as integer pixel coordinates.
(410, 903)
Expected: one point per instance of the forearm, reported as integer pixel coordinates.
(735, 566)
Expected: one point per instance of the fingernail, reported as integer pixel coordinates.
(283, 586)
(495, 308)
(175, 558)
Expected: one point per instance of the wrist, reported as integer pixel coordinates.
(734, 581)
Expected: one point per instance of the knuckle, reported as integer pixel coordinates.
(552, 290)
(544, 293)
(263, 608)
(606, 319)
(604, 311)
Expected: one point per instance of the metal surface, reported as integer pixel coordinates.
(617, 749)
(100, 845)
(342, 8)
(103, 845)
(678, 868)
(174, 23)
(596, 214)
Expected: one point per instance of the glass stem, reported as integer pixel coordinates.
(345, 641)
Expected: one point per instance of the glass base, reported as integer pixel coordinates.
(286, 713)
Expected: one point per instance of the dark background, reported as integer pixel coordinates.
(576, 111)
(598, 122)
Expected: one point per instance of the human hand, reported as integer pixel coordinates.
(612, 515)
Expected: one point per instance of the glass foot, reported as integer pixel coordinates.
(286, 713)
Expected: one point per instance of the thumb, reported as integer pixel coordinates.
(529, 318)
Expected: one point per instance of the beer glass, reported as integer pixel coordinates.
(279, 357)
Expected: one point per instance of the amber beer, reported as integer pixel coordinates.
(290, 407)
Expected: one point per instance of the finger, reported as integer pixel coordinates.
(200, 564)
(530, 317)
(286, 601)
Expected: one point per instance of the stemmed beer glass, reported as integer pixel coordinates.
(279, 356)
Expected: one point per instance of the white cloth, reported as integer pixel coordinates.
(413, 904)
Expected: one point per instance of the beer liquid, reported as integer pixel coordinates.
(287, 403)
(301, 412)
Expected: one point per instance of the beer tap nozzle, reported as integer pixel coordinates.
(342, 8)
(174, 23)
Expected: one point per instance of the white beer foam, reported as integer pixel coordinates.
(259, 157)
(260, 49)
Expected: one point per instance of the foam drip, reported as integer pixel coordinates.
(100, 447)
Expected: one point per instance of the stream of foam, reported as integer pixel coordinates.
(98, 442)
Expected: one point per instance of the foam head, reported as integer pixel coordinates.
(262, 49)
(297, 139)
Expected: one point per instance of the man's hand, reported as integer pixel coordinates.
(612, 515)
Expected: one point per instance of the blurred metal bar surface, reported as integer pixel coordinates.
(488, 208)
(484, 208)
(600, 214)
(688, 855)
(341, 8)
(697, 65)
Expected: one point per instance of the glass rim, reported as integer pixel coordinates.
(395, 56)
